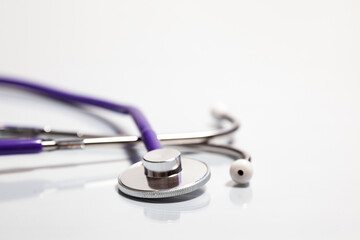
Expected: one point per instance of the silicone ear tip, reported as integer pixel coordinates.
(219, 110)
(241, 171)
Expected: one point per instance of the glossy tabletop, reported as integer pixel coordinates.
(289, 71)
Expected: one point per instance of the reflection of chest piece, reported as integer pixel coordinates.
(163, 173)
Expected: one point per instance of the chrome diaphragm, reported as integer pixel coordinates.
(163, 173)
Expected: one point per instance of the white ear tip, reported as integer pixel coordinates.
(241, 171)
(219, 110)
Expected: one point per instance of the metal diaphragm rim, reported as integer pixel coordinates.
(194, 174)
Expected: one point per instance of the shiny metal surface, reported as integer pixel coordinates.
(29, 132)
(228, 150)
(133, 181)
(162, 160)
(168, 139)
(174, 138)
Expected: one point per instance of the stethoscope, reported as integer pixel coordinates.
(162, 173)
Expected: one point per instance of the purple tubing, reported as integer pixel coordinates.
(19, 146)
(148, 135)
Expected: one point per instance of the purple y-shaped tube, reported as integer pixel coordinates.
(148, 135)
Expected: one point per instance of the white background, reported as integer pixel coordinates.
(289, 70)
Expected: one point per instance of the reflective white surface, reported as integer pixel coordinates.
(288, 70)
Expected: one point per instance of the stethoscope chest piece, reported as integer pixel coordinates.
(163, 173)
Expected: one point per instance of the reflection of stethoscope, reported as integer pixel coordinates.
(162, 173)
